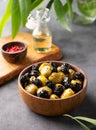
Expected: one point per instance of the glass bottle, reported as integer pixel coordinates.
(84, 11)
(88, 9)
(42, 37)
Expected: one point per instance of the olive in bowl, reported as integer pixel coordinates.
(52, 92)
(14, 51)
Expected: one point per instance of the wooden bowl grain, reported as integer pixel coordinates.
(50, 107)
(14, 57)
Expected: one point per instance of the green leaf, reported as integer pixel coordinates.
(26, 6)
(6, 16)
(36, 3)
(69, 2)
(49, 4)
(90, 120)
(61, 15)
(65, 8)
(82, 125)
(16, 17)
(24, 10)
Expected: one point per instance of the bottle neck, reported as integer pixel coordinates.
(42, 29)
(42, 24)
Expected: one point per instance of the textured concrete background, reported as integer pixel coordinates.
(78, 47)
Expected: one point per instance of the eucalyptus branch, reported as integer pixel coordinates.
(19, 10)
(78, 118)
(49, 5)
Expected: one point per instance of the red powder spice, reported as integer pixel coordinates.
(14, 49)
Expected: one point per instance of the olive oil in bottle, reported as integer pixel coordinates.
(42, 37)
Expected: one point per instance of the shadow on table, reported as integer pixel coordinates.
(87, 109)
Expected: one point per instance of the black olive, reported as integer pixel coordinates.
(79, 75)
(50, 84)
(53, 64)
(37, 82)
(27, 75)
(66, 65)
(58, 89)
(25, 79)
(76, 87)
(43, 94)
(69, 86)
(35, 67)
(54, 69)
(65, 68)
(66, 82)
(34, 73)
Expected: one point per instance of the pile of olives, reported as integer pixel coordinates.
(52, 81)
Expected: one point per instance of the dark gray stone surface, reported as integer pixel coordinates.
(79, 48)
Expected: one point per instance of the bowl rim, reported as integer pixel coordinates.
(12, 42)
(59, 99)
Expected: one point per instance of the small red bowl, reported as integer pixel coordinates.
(16, 56)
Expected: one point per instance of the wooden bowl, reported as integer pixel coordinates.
(51, 107)
(16, 56)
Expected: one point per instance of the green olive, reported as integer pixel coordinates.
(43, 79)
(31, 88)
(67, 93)
(56, 77)
(46, 70)
(31, 78)
(71, 73)
(54, 96)
(76, 81)
(61, 74)
(60, 85)
(59, 68)
(43, 65)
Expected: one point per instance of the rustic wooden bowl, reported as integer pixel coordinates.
(50, 107)
(14, 57)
